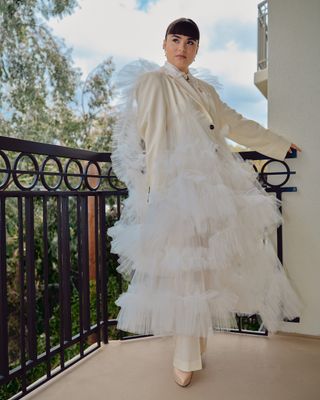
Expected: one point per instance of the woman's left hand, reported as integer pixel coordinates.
(294, 146)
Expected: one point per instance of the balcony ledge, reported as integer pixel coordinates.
(261, 81)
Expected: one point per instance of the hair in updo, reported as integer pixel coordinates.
(184, 26)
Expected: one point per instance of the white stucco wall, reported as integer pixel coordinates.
(294, 112)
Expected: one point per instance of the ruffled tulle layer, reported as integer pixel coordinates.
(199, 251)
(196, 249)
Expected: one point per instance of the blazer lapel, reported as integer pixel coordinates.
(192, 93)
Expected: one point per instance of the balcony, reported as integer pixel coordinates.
(261, 76)
(58, 283)
(278, 367)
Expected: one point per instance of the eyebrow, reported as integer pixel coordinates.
(189, 37)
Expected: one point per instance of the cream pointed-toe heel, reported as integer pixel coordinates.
(182, 378)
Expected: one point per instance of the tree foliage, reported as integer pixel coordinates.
(44, 98)
(41, 91)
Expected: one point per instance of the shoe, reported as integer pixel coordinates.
(182, 378)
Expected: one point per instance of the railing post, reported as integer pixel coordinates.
(103, 266)
(4, 359)
(30, 271)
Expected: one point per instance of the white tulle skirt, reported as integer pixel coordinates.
(201, 251)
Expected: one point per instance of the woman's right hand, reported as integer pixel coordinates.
(294, 146)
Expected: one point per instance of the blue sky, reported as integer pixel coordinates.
(132, 29)
(144, 4)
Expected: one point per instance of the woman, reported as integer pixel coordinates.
(193, 235)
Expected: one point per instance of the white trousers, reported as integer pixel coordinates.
(187, 352)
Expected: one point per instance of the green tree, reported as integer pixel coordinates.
(40, 89)
(44, 98)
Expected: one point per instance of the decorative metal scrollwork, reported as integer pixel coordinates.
(59, 174)
(84, 169)
(68, 175)
(264, 175)
(6, 171)
(16, 173)
(264, 171)
(52, 173)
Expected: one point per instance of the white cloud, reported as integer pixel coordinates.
(113, 27)
(102, 28)
(231, 64)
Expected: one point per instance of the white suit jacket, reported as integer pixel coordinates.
(165, 100)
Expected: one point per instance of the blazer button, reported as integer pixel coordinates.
(211, 126)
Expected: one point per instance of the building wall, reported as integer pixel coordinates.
(294, 112)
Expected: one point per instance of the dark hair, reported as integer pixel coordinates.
(184, 26)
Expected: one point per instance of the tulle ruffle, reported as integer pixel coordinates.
(197, 249)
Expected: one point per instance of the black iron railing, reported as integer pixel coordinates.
(53, 257)
(55, 207)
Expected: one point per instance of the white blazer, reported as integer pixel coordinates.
(167, 104)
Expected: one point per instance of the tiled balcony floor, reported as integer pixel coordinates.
(242, 367)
